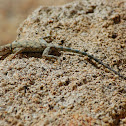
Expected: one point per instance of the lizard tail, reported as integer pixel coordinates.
(91, 57)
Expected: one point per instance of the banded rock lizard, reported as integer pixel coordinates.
(42, 46)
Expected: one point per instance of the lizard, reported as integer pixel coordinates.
(17, 47)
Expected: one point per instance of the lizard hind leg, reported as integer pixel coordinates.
(47, 55)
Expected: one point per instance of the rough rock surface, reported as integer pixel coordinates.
(72, 90)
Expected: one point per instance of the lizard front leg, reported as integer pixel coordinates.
(5, 49)
(10, 57)
(16, 51)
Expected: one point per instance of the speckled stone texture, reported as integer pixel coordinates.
(72, 90)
